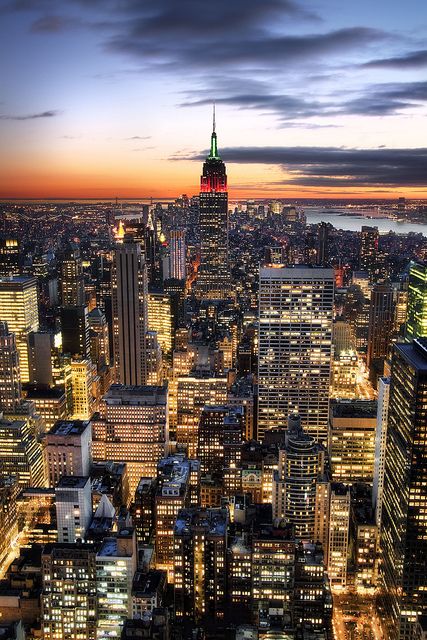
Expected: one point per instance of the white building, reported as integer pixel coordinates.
(73, 500)
(67, 450)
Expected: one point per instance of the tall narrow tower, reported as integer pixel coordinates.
(213, 280)
(130, 313)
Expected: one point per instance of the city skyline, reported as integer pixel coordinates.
(114, 99)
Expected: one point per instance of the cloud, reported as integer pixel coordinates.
(335, 166)
(413, 60)
(54, 24)
(31, 116)
(139, 138)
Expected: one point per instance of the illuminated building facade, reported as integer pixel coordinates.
(99, 339)
(345, 373)
(20, 453)
(67, 450)
(339, 524)
(178, 270)
(9, 257)
(213, 275)
(69, 592)
(416, 320)
(380, 447)
(19, 308)
(84, 390)
(381, 322)
(194, 393)
(301, 463)
(295, 347)
(161, 320)
(115, 569)
(200, 544)
(369, 238)
(404, 507)
(10, 375)
(73, 501)
(72, 280)
(129, 291)
(132, 427)
(352, 440)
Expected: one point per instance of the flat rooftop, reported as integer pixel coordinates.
(72, 482)
(69, 427)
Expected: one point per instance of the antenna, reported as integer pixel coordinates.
(213, 129)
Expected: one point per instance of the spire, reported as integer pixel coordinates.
(214, 149)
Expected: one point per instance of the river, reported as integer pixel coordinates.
(352, 223)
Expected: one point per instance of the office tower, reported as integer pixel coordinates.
(364, 537)
(161, 320)
(273, 564)
(361, 279)
(67, 450)
(416, 321)
(99, 338)
(69, 592)
(322, 250)
(301, 464)
(19, 308)
(345, 375)
(75, 331)
(132, 427)
(342, 336)
(239, 583)
(400, 292)
(339, 522)
(368, 259)
(172, 494)
(404, 525)
(115, 569)
(10, 375)
(380, 447)
(178, 267)
(83, 385)
(71, 277)
(213, 274)
(352, 440)
(295, 347)
(129, 313)
(193, 394)
(73, 499)
(44, 357)
(20, 453)
(276, 255)
(9, 257)
(200, 544)
(381, 322)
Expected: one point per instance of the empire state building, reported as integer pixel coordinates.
(213, 278)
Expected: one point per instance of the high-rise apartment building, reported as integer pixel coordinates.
(10, 374)
(67, 450)
(301, 464)
(73, 499)
(339, 524)
(69, 592)
(416, 320)
(161, 320)
(220, 432)
(132, 427)
(19, 308)
(404, 507)
(129, 285)
(83, 386)
(295, 347)
(213, 274)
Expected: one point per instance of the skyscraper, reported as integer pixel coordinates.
(72, 282)
(130, 313)
(19, 308)
(73, 501)
(381, 321)
(10, 376)
(177, 254)
(404, 508)
(295, 347)
(416, 321)
(213, 277)
(369, 237)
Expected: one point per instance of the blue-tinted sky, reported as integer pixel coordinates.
(113, 97)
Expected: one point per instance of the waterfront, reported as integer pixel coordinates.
(315, 215)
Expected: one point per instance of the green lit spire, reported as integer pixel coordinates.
(214, 148)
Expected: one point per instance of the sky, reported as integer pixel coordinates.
(113, 98)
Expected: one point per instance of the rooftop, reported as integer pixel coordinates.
(213, 522)
(72, 482)
(69, 427)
